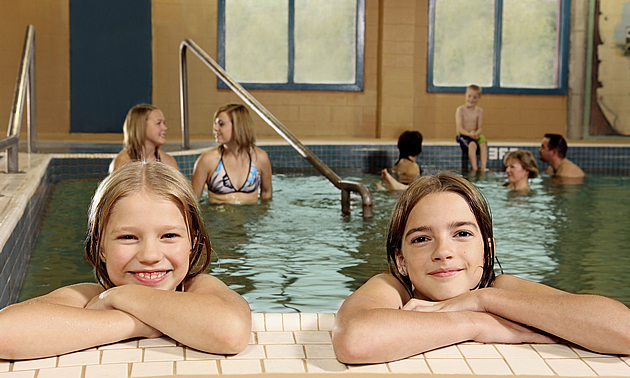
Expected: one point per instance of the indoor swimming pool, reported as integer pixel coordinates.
(297, 253)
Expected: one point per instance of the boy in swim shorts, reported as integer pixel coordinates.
(468, 119)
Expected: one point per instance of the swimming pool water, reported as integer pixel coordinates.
(298, 253)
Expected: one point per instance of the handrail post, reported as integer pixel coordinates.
(31, 101)
(345, 186)
(183, 96)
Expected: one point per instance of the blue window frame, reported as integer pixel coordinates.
(504, 46)
(296, 44)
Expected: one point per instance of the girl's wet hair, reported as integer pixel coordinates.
(134, 130)
(440, 183)
(161, 180)
(242, 125)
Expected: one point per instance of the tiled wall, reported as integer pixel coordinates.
(16, 251)
(369, 158)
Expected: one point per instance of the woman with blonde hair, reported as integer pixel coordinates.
(144, 132)
(236, 171)
(520, 166)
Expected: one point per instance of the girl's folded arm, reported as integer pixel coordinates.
(58, 323)
(207, 316)
(371, 327)
(595, 322)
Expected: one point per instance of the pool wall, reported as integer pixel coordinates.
(25, 204)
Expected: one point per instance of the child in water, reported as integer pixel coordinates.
(149, 248)
(144, 131)
(442, 288)
(406, 169)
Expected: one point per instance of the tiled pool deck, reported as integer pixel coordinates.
(280, 344)
(301, 344)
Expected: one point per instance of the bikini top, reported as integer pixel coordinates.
(220, 182)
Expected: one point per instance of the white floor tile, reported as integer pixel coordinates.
(284, 366)
(319, 351)
(325, 366)
(285, 351)
(448, 366)
(446, 352)
(273, 322)
(489, 366)
(91, 357)
(252, 351)
(291, 322)
(568, 367)
(313, 337)
(609, 366)
(240, 366)
(529, 366)
(308, 322)
(18, 374)
(164, 354)
(116, 356)
(409, 366)
(376, 368)
(275, 338)
(258, 322)
(151, 369)
(107, 371)
(478, 351)
(193, 354)
(196, 367)
(63, 372)
(555, 351)
(41, 363)
(326, 322)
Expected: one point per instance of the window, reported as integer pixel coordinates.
(292, 44)
(504, 46)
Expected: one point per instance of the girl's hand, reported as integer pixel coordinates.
(103, 302)
(470, 301)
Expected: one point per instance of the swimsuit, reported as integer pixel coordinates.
(220, 182)
(464, 140)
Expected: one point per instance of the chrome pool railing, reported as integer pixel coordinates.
(24, 87)
(345, 186)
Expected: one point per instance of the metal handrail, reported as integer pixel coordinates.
(346, 186)
(24, 87)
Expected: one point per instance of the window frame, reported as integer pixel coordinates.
(561, 70)
(357, 86)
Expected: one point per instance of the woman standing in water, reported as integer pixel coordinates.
(236, 171)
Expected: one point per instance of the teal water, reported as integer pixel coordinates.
(298, 253)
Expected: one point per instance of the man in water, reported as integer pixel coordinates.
(553, 151)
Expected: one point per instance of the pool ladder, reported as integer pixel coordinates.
(345, 186)
(24, 88)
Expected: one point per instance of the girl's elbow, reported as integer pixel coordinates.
(349, 346)
(234, 337)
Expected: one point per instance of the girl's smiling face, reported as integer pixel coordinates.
(442, 248)
(155, 131)
(146, 242)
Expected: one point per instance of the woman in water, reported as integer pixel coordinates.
(149, 248)
(442, 289)
(236, 171)
(520, 166)
(144, 131)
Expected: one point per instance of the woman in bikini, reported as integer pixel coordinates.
(236, 171)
